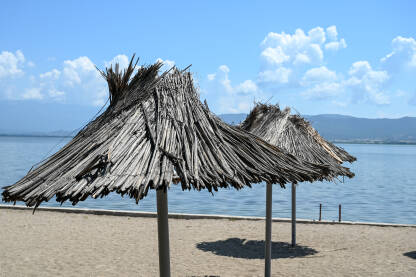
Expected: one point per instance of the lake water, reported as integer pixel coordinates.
(383, 190)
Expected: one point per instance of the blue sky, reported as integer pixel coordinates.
(352, 57)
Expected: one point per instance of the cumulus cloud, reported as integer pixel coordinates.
(281, 48)
(279, 75)
(33, 93)
(336, 45)
(167, 64)
(323, 90)
(320, 83)
(246, 87)
(319, 74)
(297, 61)
(77, 82)
(285, 57)
(403, 55)
(56, 94)
(367, 84)
(11, 64)
(228, 97)
(53, 74)
(122, 60)
(362, 85)
(332, 33)
(219, 81)
(76, 70)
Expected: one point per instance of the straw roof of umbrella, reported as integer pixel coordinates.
(155, 130)
(296, 135)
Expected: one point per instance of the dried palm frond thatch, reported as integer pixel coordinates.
(296, 135)
(156, 131)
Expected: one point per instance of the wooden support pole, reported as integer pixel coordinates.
(268, 242)
(320, 212)
(339, 214)
(163, 232)
(293, 215)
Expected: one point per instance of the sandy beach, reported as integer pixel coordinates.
(62, 244)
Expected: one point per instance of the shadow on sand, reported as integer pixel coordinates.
(411, 254)
(253, 249)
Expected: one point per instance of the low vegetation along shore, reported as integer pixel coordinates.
(64, 244)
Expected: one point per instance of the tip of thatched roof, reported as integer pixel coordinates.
(156, 131)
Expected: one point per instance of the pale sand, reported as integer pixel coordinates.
(60, 244)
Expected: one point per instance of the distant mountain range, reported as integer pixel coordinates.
(31, 118)
(342, 128)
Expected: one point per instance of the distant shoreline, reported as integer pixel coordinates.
(333, 141)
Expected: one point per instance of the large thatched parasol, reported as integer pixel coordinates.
(155, 131)
(295, 135)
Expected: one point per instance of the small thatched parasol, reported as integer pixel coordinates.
(295, 135)
(156, 131)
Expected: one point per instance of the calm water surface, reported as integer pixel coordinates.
(383, 190)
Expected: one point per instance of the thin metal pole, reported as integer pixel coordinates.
(293, 215)
(163, 232)
(268, 244)
(339, 215)
(320, 212)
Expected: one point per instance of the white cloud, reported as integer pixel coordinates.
(53, 74)
(246, 87)
(286, 57)
(363, 84)
(402, 56)
(167, 64)
(366, 84)
(332, 33)
(75, 70)
(359, 69)
(336, 45)
(323, 90)
(295, 63)
(275, 55)
(280, 48)
(229, 98)
(11, 64)
(301, 59)
(317, 35)
(319, 74)
(122, 60)
(33, 93)
(78, 81)
(56, 94)
(211, 77)
(224, 69)
(280, 75)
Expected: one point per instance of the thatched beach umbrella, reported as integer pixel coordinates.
(296, 135)
(156, 131)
